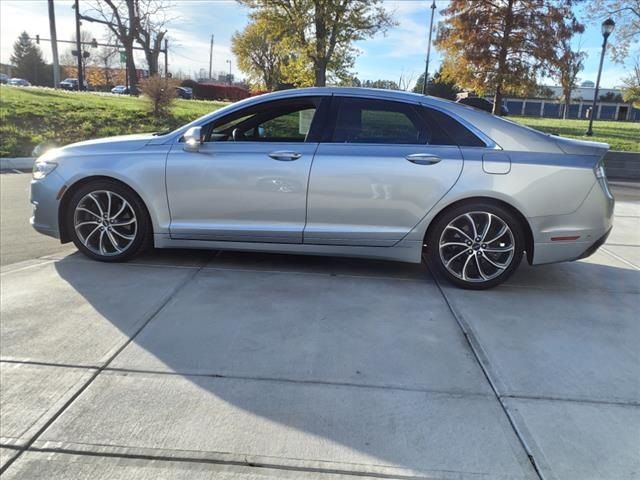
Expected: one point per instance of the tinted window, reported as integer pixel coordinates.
(288, 121)
(448, 131)
(378, 121)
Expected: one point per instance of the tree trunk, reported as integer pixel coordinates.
(320, 74)
(131, 69)
(567, 104)
(497, 100)
(502, 59)
(320, 60)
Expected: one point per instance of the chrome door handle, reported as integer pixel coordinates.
(423, 158)
(284, 156)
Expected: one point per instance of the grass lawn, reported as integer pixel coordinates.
(619, 135)
(30, 116)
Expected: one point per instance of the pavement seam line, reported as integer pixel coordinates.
(246, 463)
(619, 258)
(470, 339)
(302, 382)
(515, 396)
(99, 370)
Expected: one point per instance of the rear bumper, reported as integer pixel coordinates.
(596, 245)
(562, 238)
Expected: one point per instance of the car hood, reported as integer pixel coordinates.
(123, 143)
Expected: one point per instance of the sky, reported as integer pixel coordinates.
(401, 51)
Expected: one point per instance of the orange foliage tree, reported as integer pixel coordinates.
(502, 45)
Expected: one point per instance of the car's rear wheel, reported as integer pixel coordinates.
(476, 246)
(107, 221)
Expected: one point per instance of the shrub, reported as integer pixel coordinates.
(160, 93)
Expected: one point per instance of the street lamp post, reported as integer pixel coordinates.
(607, 27)
(426, 68)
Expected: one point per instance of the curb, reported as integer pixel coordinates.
(19, 163)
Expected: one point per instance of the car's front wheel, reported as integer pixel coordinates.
(107, 221)
(476, 246)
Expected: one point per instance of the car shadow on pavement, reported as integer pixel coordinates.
(272, 355)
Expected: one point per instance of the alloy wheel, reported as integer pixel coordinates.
(477, 246)
(105, 223)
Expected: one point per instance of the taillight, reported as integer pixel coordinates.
(601, 175)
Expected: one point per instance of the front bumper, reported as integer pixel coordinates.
(44, 203)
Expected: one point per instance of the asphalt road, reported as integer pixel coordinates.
(18, 240)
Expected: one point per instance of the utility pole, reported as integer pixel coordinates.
(54, 45)
(210, 57)
(79, 48)
(426, 68)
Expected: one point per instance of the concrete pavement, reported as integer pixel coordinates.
(231, 365)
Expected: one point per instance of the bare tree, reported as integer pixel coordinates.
(405, 81)
(68, 58)
(106, 58)
(565, 67)
(118, 16)
(150, 21)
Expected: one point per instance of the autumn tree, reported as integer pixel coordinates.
(566, 66)
(259, 54)
(321, 33)
(626, 13)
(631, 88)
(28, 62)
(502, 46)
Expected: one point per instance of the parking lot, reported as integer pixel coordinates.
(207, 364)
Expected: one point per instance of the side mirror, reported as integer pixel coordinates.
(193, 139)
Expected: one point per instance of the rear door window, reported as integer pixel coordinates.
(448, 131)
(360, 120)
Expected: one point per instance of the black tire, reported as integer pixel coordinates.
(468, 262)
(129, 240)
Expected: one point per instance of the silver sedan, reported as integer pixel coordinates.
(335, 171)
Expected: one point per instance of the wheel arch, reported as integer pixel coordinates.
(526, 227)
(68, 193)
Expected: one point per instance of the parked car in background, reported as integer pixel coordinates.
(72, 84)
(4, 78)
(482, 104)
(19, 82)
(335, 171)
(120, 90)
(184, 92)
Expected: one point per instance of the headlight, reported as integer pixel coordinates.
(42, 168)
